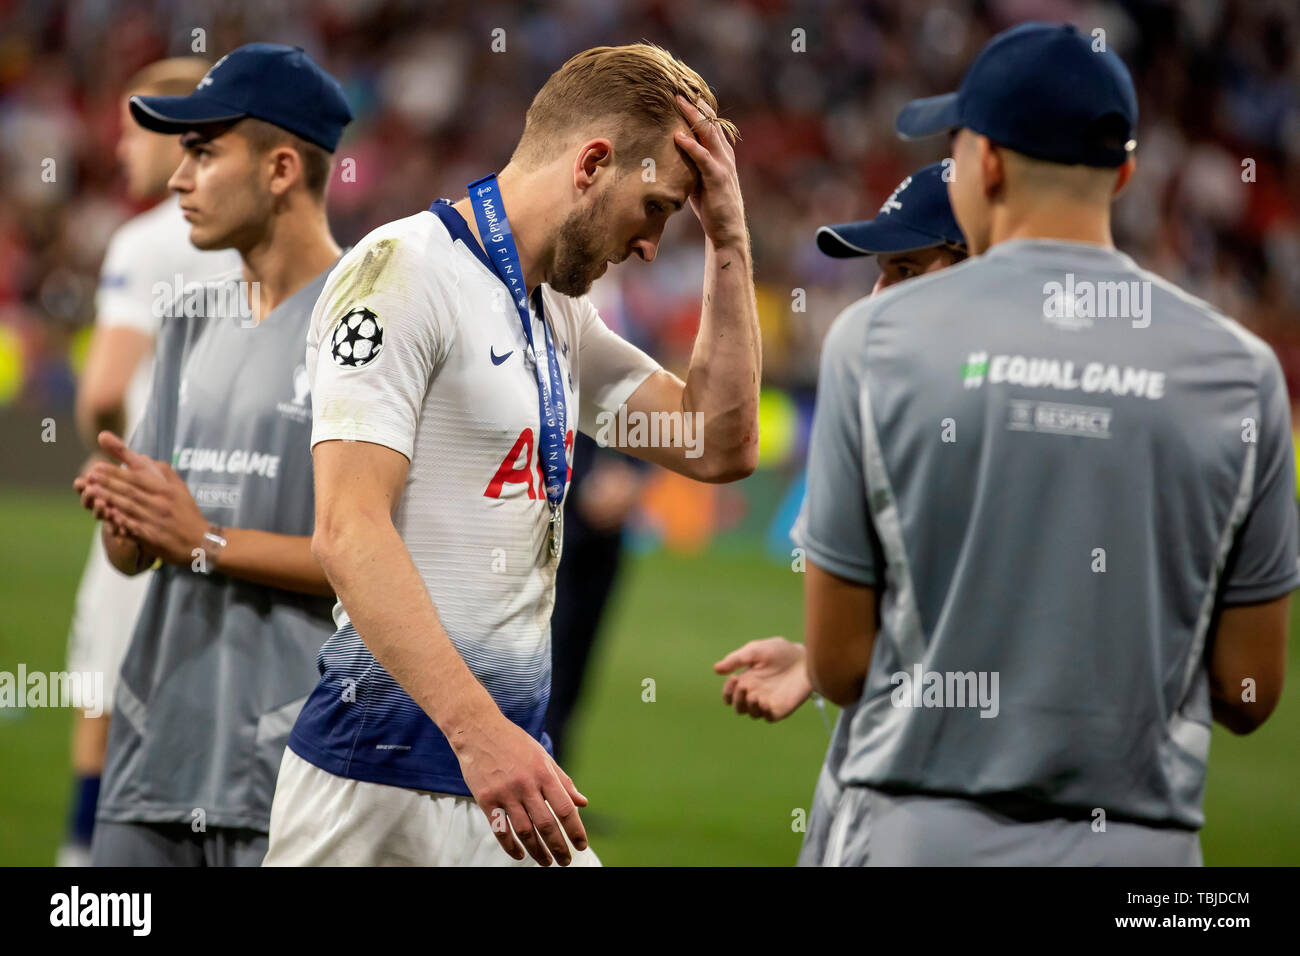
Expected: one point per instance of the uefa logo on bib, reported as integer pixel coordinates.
(357, 339)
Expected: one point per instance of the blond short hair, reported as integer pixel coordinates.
(633, 86)
(176, 76)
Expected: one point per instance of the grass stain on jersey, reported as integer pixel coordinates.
(360, 279)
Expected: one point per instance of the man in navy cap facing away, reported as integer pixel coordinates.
(1050, 524)
(913, 234)
(215, 485)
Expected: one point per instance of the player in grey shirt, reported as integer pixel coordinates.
(913, 234)
(217, 483)
(1051, 522)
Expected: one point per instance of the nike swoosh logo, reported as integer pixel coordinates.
(498, 359)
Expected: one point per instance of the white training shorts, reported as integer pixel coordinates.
(108, 603)
(319, 819)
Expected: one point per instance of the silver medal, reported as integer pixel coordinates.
(555, 535)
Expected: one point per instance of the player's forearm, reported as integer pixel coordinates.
(123, 553)
(839, 633)
(1233, 717)
(387, 602)
(1243, 701)
(94, 417)
(726, 364)
(115, 353)
(1247, 663)
(273, 560)
(835, 662)
(834, 679)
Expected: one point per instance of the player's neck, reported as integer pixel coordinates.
(296, 247)
(1056, 220)
(525, 203)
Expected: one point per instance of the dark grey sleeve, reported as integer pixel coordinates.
(1262, 565)
(834, 527)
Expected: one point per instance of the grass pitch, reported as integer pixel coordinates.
(677, 780)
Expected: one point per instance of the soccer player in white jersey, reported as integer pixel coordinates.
(151, 248)
(436, 415)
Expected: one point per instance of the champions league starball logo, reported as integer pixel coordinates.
(357, 340)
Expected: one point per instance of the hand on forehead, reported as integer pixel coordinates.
(664, 169)
(679, 175)
(701, 122)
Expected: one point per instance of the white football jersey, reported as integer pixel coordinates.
(415, 345)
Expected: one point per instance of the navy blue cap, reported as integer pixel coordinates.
(916, 215)
(1041, 90)
(267, 81)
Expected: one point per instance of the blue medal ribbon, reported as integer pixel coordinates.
(499, 244)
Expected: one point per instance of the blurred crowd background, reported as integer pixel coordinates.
(814, 86)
